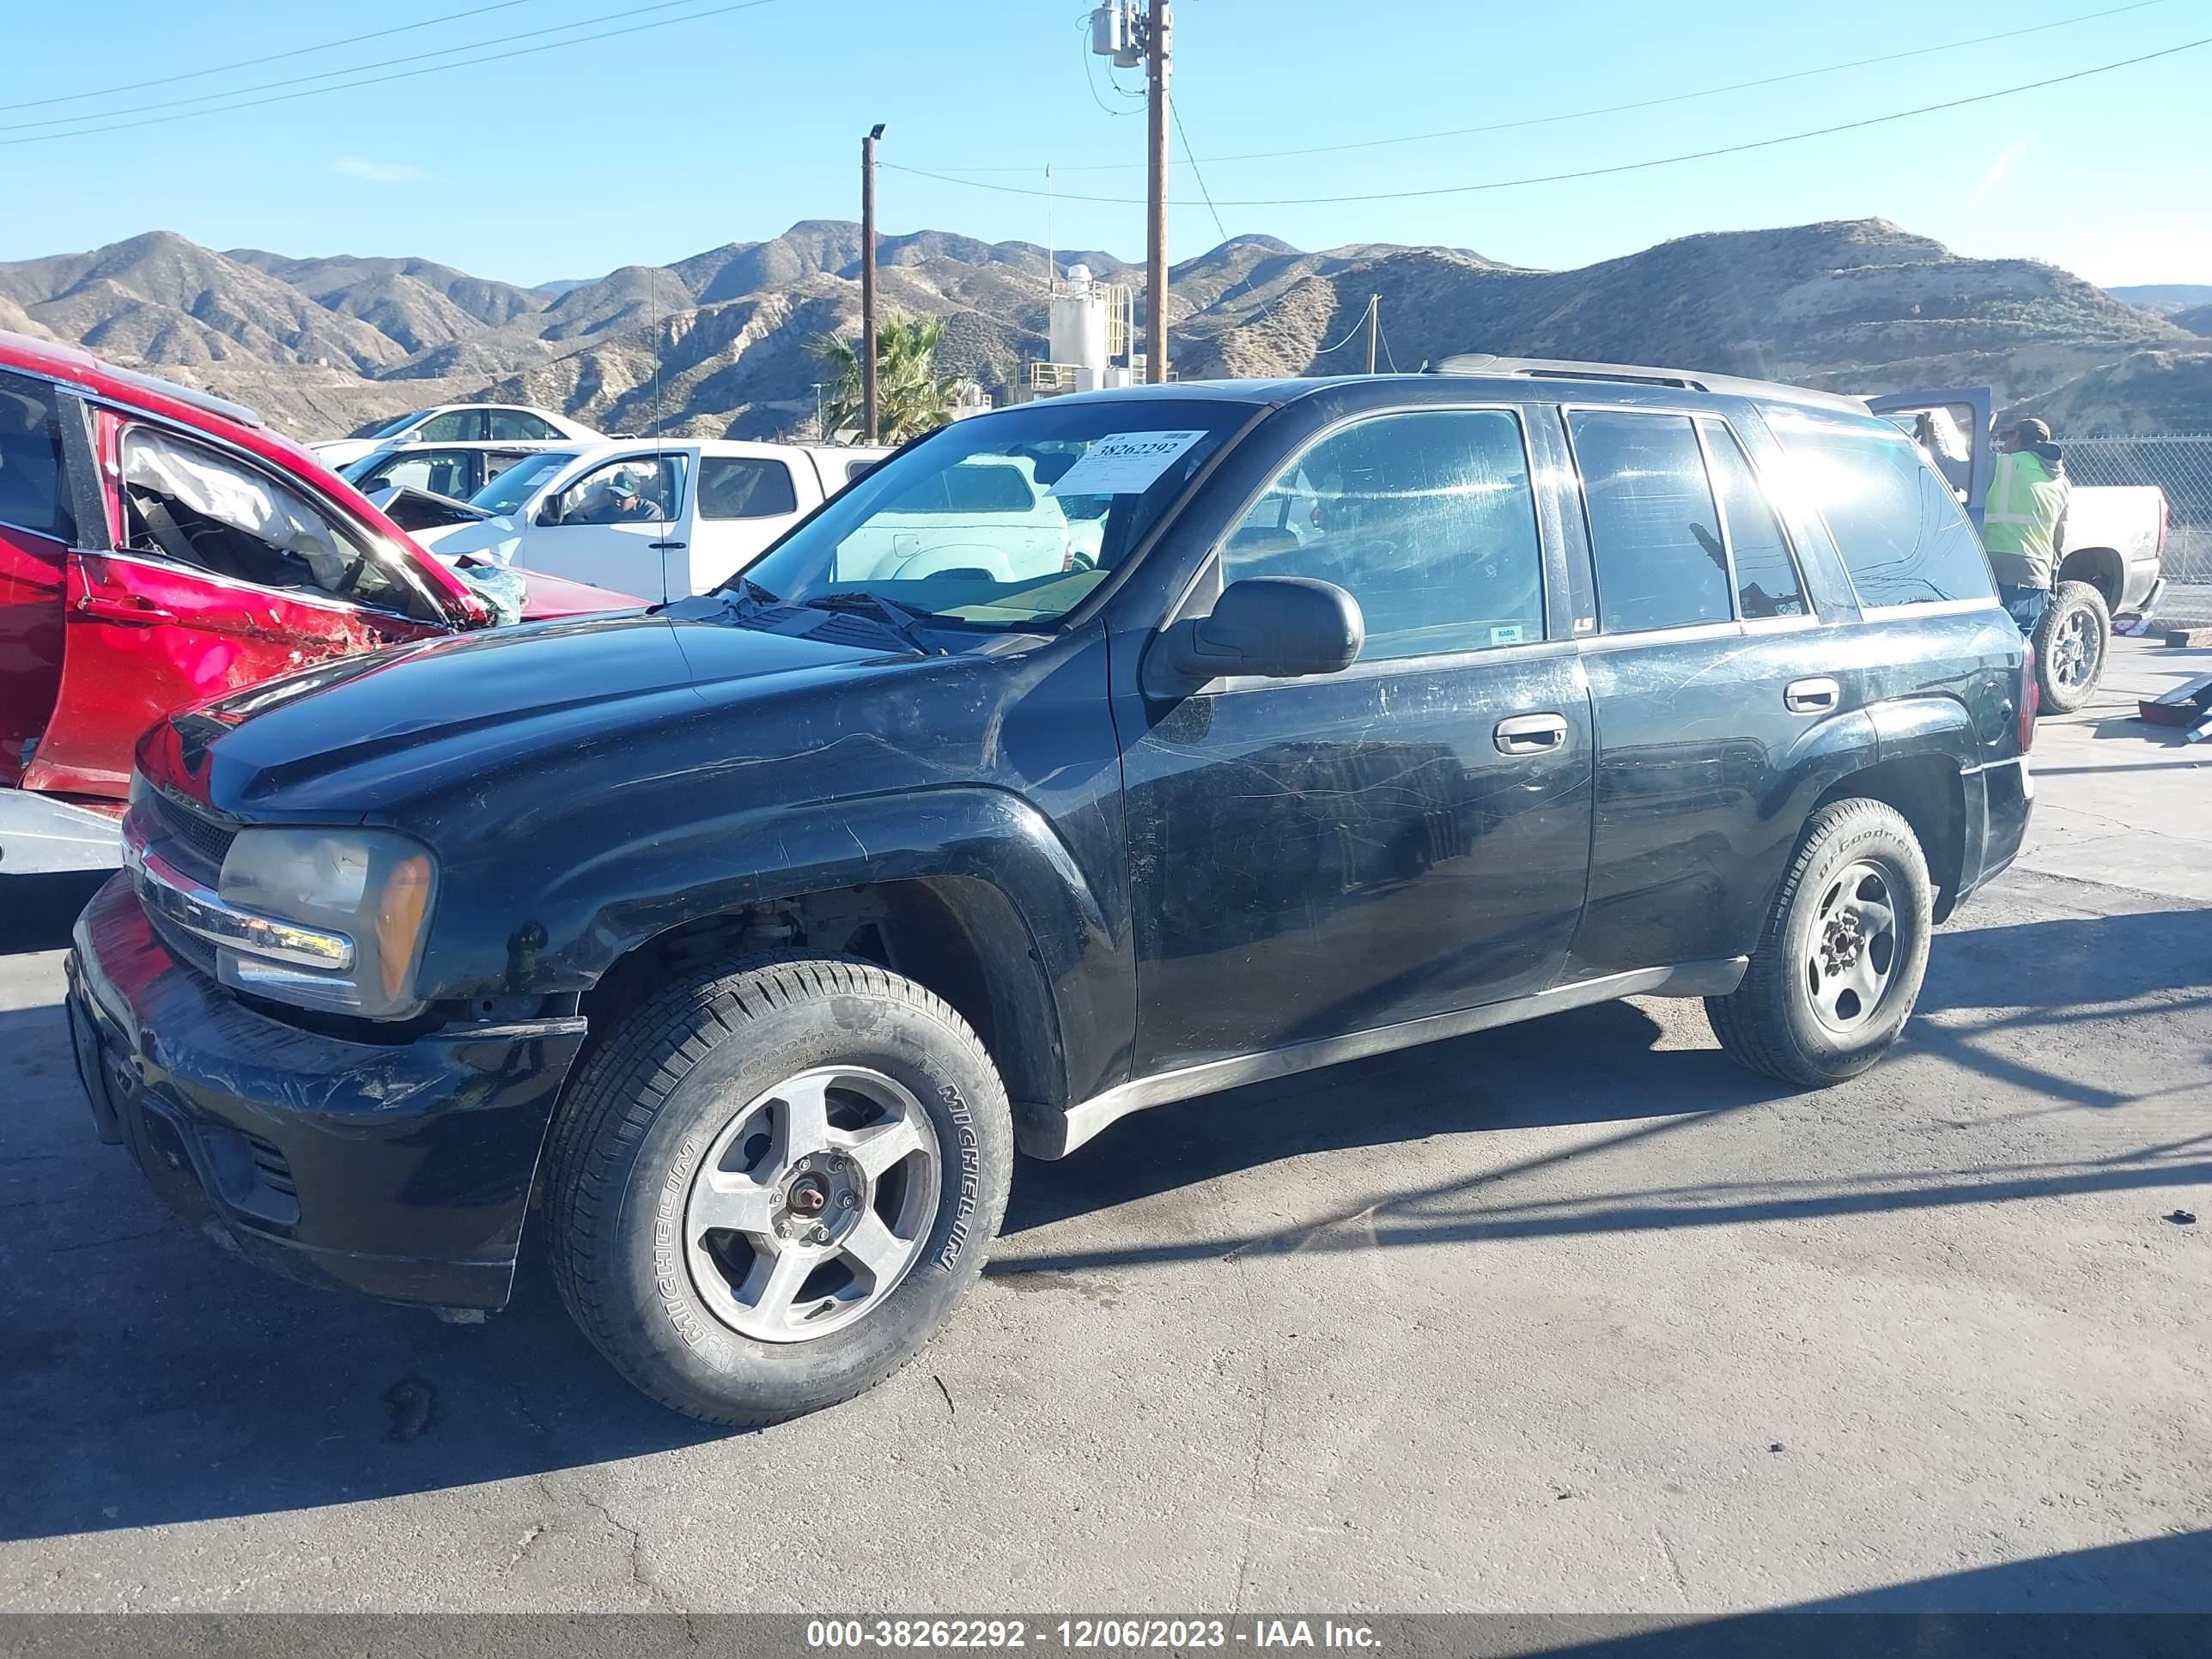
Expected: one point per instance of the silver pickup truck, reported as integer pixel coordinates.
(2113, 543)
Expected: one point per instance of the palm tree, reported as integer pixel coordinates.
(911, 396)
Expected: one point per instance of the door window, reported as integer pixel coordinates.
(744, 487)
(1427, 519)
(1655, 530)
(508, 425)
(440, 472)
(637, 489)
(33, 476)
(1767, 582)
(202, 511)
(455, 426)
(1892, 516)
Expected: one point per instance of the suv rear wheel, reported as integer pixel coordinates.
(774, 1183)
(1840, 961)
(2071, 643)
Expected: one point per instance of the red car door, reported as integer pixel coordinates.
(178, 603)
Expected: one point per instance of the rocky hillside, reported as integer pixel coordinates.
(718, 343)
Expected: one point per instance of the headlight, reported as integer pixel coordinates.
(347, 910)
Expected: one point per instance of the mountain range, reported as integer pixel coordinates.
(721, 342)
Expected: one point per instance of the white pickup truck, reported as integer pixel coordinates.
(2113, 543)
(669, 517)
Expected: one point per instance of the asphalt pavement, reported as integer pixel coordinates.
(1574, 1316)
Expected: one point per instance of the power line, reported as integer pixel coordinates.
(1220, 229)
(254, 63)
(1606, 109)
(403, 75)
(1622, 167)
(1349, 332)
(355, 68)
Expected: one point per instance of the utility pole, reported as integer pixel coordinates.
(1159, 47)
(868, 406)
(1374, 326)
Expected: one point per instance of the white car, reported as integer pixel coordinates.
(665, 520)
(456, 472)
(987, 515)
(450, 424)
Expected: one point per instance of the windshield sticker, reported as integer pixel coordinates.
(1124, 463)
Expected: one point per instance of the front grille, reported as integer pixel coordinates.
(206, 839)
(190, 949)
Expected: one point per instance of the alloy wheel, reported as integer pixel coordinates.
(812, 1204)
(1852, 956)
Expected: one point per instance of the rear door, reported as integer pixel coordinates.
(1952, 425)
(1709, 670)
(623, 523)
(208, 573)
(746, 502)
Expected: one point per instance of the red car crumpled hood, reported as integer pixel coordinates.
(545, 597)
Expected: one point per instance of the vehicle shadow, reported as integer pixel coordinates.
(146, 1377)
(37, 912)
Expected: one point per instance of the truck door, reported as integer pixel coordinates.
(1953, 425)
(209, 575)
(745, 502)
(625, 525)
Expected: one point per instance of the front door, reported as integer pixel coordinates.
(624, 525)
(222, 577)
(1316, 857)
(1952, 425)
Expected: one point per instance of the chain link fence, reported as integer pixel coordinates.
(2181, 465)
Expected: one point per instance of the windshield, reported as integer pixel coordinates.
(1003, 520)
(508, 492)
(385, 426)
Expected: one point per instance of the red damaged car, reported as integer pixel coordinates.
(158, 547)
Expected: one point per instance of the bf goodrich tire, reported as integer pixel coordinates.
(1842, 955)
(2072, 642)
(770, 1187)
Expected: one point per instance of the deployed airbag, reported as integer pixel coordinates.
(239, 499)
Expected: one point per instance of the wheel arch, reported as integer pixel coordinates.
(1927, 790)
(2101, 567)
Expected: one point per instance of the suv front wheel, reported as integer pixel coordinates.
(774, 1182)
(1840, 960)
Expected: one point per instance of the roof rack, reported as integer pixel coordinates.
(1488, 364)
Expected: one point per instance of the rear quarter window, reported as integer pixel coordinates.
(1900, 530)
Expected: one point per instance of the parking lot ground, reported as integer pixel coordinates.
(1575, 1316)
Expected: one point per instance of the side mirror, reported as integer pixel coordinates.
(1276, 626)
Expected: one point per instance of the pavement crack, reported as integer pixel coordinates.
(639, 1572)
(1673, 1562)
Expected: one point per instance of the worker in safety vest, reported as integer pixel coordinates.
(2024, 520)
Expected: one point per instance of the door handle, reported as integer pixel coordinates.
(667, 547)
(1530, 734)
(1816, 696)
(143, 613)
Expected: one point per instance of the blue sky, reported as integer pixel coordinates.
(652, 144)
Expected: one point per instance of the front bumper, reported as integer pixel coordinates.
(399, 1171)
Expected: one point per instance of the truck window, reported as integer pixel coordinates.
(34, 495)
(1655, 530)
(1893, 518)
(1767, 582)
(744, 487)
(636, 488)
(1427, 519)
(198, 510)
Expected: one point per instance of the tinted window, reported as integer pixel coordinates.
(856, 470)
(455, 426)
(1426, 519)
(509, 424)
(742, 487)
(1655, 532)
(1902, 533)
(34, 492)
(440, 472)
(1767, 582)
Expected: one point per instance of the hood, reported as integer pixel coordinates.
(355, 737)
